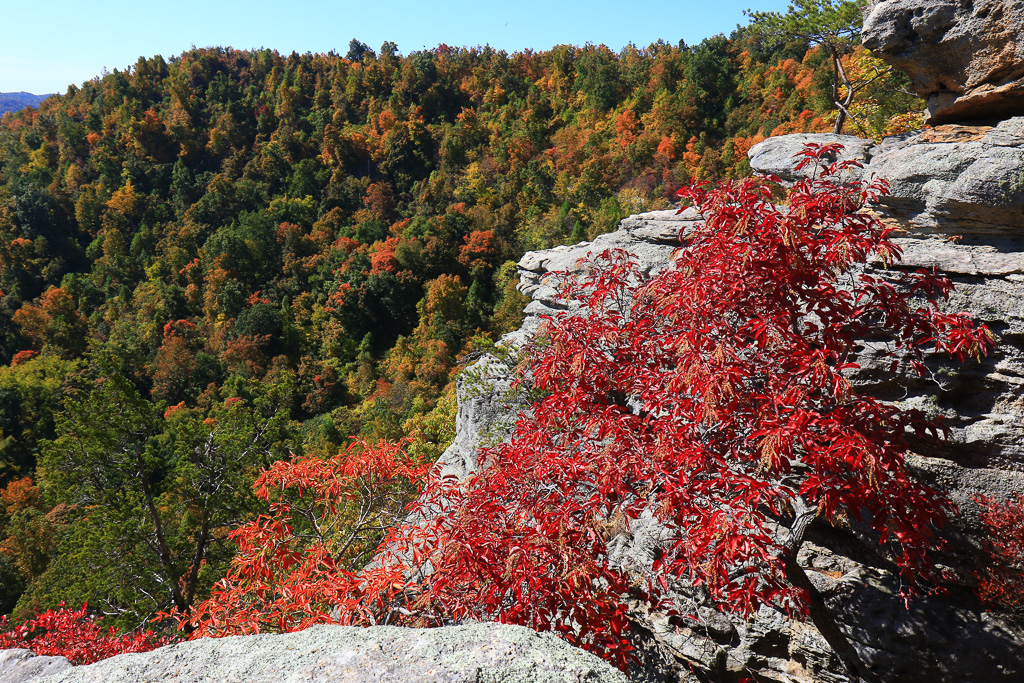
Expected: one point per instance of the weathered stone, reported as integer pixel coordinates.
(22, 666)
(949, 182)
(487, 410)
(965, 57)
(966, 181)
(957, 199)
(778, 155)
(492, 653)
(649, 237)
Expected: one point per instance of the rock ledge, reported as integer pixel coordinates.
(474, 653)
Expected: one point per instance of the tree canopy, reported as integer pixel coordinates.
(834, 25)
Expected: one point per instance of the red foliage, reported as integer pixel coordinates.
(75, 635)
(380, 200)
(291, 571)
(713, 396)
(180, 327)
(176, 364)
(480, 250)
(255, 298)
(171, 410)
(23, 356)
(20, 494)
(1002, 581)
(383, 259)
(626, 125)
(246, 355)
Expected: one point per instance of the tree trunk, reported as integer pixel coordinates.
(820, 614)
(162, 549)
(838, 75)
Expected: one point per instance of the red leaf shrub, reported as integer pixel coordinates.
(1002, 579)
(713, 396)
(75, 635)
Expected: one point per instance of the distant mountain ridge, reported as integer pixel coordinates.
(13, 101)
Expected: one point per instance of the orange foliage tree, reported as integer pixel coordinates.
(299, 565)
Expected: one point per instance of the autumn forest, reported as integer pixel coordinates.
(218, 260)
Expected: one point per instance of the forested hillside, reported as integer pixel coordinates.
(13, 101)
(212, 260)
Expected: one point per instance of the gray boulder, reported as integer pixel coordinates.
(778, 155)
(21, 666)
(949, 180)
(965, 57)
(956, 179)
(475, 653)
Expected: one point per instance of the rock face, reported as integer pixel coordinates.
(944, 181)
(475, 653)
(957, 199)
(956, 179)
(965, 57)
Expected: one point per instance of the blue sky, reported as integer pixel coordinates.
(49, 44)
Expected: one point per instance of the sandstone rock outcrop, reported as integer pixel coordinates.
(956, 179)
(964, 57)
(948, 180)
(491, 653)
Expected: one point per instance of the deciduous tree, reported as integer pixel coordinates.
(716, 397)
(1002, 577)
(300, 564)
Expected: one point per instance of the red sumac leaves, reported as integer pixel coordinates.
(75, 635)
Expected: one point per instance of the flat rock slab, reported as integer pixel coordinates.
(475, 653)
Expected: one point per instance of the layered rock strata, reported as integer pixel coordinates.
(948, 180)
